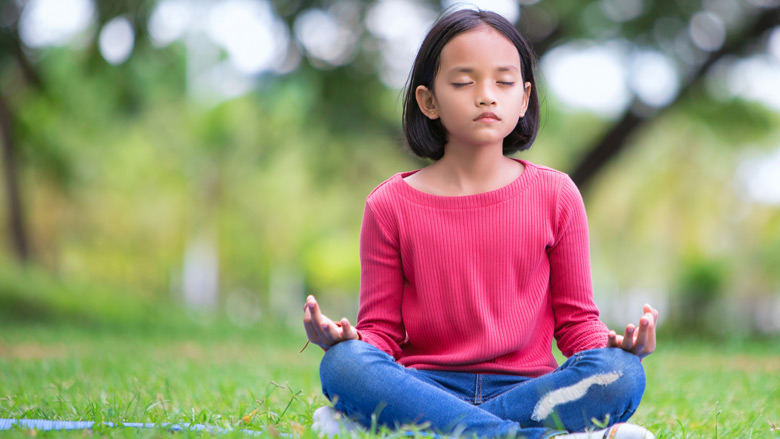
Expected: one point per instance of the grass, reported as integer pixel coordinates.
(713, 390)
(76, 374)
(694, 390)
(174, 370)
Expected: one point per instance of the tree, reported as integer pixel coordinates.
(349, 98)
(616, 138)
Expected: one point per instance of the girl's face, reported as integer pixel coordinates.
(478, 92)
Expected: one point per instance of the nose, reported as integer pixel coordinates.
(485, 95)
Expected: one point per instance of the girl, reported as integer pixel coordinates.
(471, 265)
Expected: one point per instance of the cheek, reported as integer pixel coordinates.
(517, 103)
(449, 107)
(449, 101)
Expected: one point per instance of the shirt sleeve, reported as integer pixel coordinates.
(381, 285)
(577, 324)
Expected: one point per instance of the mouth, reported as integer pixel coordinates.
(487, 117)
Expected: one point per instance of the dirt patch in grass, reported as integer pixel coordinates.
(749, 363)
(745, 363)
(31, 351)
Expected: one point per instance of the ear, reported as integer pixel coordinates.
(426, 101)
(526, 97)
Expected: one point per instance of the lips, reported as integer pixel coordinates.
(487, 116)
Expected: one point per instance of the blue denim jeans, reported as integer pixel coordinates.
(601, 384)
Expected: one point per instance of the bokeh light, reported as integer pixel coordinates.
(759, 175)
(169, 21)
(707, 31)
(588, 76)
(116, 40)
(757, 78)
(54, 22)
(653, 78)
(727, 10)
(773, 43)
(509, 9)
(254, 38)
(622, 10)
(324, 37)
(399, 26)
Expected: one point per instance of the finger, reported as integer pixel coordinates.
(650, 345)
(628, 338)
(331, 330)
(308, 326)
(641, 336)
(317, 318)
(652, 311)
(612, 340)
(312, 304)
(347, 330)
(314, 331)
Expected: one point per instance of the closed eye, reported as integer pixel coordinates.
(460, 84)
(506, 83)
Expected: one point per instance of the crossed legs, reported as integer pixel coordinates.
(601, 384)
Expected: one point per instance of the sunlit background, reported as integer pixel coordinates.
(217, 153)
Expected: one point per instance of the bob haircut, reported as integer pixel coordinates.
(426, 137)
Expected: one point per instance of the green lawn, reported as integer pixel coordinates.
(218, 375)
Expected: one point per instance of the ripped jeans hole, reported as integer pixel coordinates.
(547, 404)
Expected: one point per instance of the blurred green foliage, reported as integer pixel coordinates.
(121, 170)
(115, 191)
(700, 282)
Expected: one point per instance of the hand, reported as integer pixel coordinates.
(640, 343)
(321, 330)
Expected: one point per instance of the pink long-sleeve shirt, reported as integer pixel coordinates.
(478, 283)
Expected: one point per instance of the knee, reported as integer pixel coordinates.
(337, 358)
(614, 382)
(343, 355)
(344, 362)
(626, 366)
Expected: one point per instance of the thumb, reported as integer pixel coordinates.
(349, 331)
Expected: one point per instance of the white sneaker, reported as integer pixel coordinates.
(328, 421)
(617, 431)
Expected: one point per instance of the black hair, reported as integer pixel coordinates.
(426, 138)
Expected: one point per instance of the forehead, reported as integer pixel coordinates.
(481, 47)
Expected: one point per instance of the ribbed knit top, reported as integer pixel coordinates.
(478, 283)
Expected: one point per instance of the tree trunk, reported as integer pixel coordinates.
(616, 139)
(17, 233)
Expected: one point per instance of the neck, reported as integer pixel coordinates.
(475, 169)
